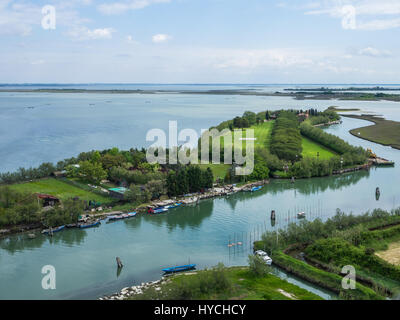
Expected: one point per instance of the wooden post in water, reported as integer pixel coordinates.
(119, 262)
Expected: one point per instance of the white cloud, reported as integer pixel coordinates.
(159, 38)
(83, 33)
(123, 6)
(373, 52)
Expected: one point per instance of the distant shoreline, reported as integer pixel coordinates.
(298, 95)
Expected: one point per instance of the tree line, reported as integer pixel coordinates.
(286, 138)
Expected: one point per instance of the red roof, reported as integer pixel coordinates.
(46, 196)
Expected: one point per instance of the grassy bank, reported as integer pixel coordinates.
(235, 283)
(327, 280)
(385, 132)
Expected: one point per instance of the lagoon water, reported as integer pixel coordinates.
(85, 259)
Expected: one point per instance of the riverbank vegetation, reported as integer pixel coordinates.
(317, 251)
(221, 283)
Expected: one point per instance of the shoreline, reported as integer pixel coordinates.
(297, 95)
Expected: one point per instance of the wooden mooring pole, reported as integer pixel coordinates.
(119, 262)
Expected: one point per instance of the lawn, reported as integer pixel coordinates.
(219, 170)
(58, 189)
(262, 134)
(310, 149)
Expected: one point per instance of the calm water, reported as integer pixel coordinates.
(85, 259)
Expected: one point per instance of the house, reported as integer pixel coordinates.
(59, 174)
(118, 193)
(47, 199)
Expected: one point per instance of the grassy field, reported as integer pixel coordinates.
(310, 149)
(219, 170)
(385, 132)
(262, 133)
(58, 189)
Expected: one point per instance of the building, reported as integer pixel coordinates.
(118, 193)
(47, 199)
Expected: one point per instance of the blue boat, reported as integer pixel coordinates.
(255, 188)
(89, 225)
(49, 231)
(175, 205)
(179, 268)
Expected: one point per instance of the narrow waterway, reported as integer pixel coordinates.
(85, 259)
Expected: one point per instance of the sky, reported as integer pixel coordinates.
(200, 41)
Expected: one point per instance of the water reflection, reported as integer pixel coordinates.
(317, 185)
(182, 218)
(21, 242)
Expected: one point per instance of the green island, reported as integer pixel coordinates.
(288, 144)
(385, 132)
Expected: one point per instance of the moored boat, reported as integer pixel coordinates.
(175, 205)
(179, 268)
(51, 230)
(89, 225)
(301, 215)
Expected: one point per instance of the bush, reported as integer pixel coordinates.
(258, 266)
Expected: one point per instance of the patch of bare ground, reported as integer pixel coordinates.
(392, 254)
(287, 294)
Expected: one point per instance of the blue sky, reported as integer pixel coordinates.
(201, 41)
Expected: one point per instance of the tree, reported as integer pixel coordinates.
(237, 122)
(92, 171)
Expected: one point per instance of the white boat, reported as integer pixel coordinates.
(264, 256)
(301, 215)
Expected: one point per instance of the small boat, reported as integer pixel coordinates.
(71, 225)
(255, 188)
(301, 215)
(179, 268)
(114, 218)
(160, 210)
(51, 230)
(131, 214)
(89, 225)
(173, 205)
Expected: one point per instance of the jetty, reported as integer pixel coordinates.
(378, 161)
